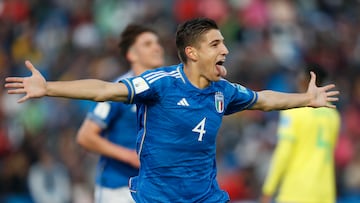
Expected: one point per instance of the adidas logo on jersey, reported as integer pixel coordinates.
(183, 102)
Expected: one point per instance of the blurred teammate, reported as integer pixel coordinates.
(302, 167)
(110, 127)
(180, 109)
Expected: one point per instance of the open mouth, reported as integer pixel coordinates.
(220, 63)
(220, 68)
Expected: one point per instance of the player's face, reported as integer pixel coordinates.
(147, 51)
(211, 52)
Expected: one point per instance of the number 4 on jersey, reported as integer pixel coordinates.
(200, 128)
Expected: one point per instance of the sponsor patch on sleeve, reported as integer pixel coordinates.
(102, 110)
(140, 85)
(241, 88)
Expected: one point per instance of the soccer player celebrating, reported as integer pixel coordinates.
(180, 109)
(302, 166)
(110, 127)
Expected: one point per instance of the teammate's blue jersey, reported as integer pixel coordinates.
(178, 126)
(118, 123)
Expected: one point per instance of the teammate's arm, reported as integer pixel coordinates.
(36, 86)
(90, 138)
(314, 97)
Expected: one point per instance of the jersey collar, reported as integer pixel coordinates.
(190, 86)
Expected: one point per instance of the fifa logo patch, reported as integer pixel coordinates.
(219, 102)
(140, 85)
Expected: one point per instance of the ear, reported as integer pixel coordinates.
(191, 53)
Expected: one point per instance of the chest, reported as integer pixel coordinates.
(188, 115)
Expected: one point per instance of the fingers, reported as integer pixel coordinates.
(17, 91)
(328, 87)
(332, 93)
(24, 98)
(332, 99)
(312, 77)
(30, 66)
(330, 105)
(14, 85)
(14, 79)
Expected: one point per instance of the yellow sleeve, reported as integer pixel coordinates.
(286, 139)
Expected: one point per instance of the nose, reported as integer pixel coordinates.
(225, 50)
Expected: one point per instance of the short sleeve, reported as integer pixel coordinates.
(241, 98)
(103, 113)
(140, 90)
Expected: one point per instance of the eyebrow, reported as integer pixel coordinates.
(216, 41)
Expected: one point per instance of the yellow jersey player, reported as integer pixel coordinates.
(302, 167)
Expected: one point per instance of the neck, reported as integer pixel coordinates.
(195, 77)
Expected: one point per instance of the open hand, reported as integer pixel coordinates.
(321, 96)
(33, 86)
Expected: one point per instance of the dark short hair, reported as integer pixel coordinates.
(190, 32)
(129, 35)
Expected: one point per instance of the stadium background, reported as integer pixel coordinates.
(268, 40)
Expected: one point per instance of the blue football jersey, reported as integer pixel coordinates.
(118, 123)
(178, 124)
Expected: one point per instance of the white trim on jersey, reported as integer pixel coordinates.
(131, 90)
(152, 77)
(127, 75)
(252, 101)
(181, 76)
(144, 134)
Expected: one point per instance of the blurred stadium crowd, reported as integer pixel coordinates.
(268, 41)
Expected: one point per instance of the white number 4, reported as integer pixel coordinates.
(200, 128)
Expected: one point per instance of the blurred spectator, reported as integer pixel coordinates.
(352, 175)
(15, 11)
(185, 10)
(13, 178)
(48, 180)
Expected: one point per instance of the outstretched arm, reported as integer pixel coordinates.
(314, 97)
(36, 86)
